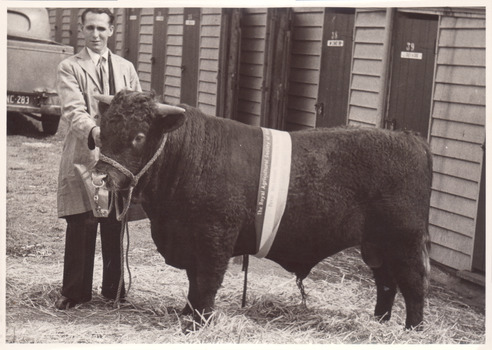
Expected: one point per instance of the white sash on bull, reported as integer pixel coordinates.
(273, 187)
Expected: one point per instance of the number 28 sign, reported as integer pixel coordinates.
(334, 41)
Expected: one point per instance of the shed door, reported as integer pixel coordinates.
(336, 57)
(132, 34)
(159, 50)
(189, 68)
(277, 62)
(112, 38)
(412, 72)
(230, 52)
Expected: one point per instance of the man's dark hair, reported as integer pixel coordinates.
(99, 11)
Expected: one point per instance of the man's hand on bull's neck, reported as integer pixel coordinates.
(96, 135)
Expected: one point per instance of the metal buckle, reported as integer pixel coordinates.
(101, 196)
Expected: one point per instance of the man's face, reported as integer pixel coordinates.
(97, 30)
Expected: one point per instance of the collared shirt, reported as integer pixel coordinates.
(95, 57)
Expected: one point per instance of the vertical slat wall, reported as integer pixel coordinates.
(208, 69)
(119, 30)
(80, 36)
(172, 81)
(251, 71)
(52, 17)
(65, 25)
(457, 134)
(145, 47)
(58, 26)
(368, 55)
(307, 34)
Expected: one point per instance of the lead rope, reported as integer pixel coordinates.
(123, 259)
(123, 216)
(124, 225)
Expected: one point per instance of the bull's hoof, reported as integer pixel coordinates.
(187, 311)
(189, 327)
(64, 303)
(199, 320)
(383, 317)
(419, 327)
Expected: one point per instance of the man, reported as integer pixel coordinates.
(94, 70)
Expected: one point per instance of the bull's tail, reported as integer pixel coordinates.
(427, 168)
(426, 260)
(426, 241)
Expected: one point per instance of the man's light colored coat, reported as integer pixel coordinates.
(77, 82)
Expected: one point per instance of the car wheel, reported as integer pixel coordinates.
(50, 123)
(12, 127)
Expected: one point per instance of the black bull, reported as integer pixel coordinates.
(348, 187)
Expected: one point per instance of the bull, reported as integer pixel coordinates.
(348, 187)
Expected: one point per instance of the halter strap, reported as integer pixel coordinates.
(115, 164)
(133, 178)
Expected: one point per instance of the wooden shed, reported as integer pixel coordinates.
(294, 68)
(424, 69)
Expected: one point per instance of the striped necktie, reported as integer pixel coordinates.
(103, 76)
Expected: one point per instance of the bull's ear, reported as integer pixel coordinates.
(171, 122)
(170, 117)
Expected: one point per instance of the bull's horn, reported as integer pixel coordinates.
(104, 98)
(168, 109)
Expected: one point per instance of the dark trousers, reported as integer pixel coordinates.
(80, 247)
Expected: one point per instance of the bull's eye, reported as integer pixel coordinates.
(140, 138)
(139, 141)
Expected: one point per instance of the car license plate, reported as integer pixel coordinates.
(20, 99)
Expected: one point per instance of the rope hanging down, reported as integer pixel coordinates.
(124, 226)
(123, 215)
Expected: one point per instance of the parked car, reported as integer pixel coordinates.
(32, 59)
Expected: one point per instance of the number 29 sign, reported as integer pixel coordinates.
(410, 52)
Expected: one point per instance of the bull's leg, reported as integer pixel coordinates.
(411, 284)
(386, 291)
(373, 256)
(203, 286)
(209, 279)
(411, 276)
(193, 295)
(205, 280)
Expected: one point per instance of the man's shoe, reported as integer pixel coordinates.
(64, 303)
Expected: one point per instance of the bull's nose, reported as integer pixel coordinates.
(98, 178)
